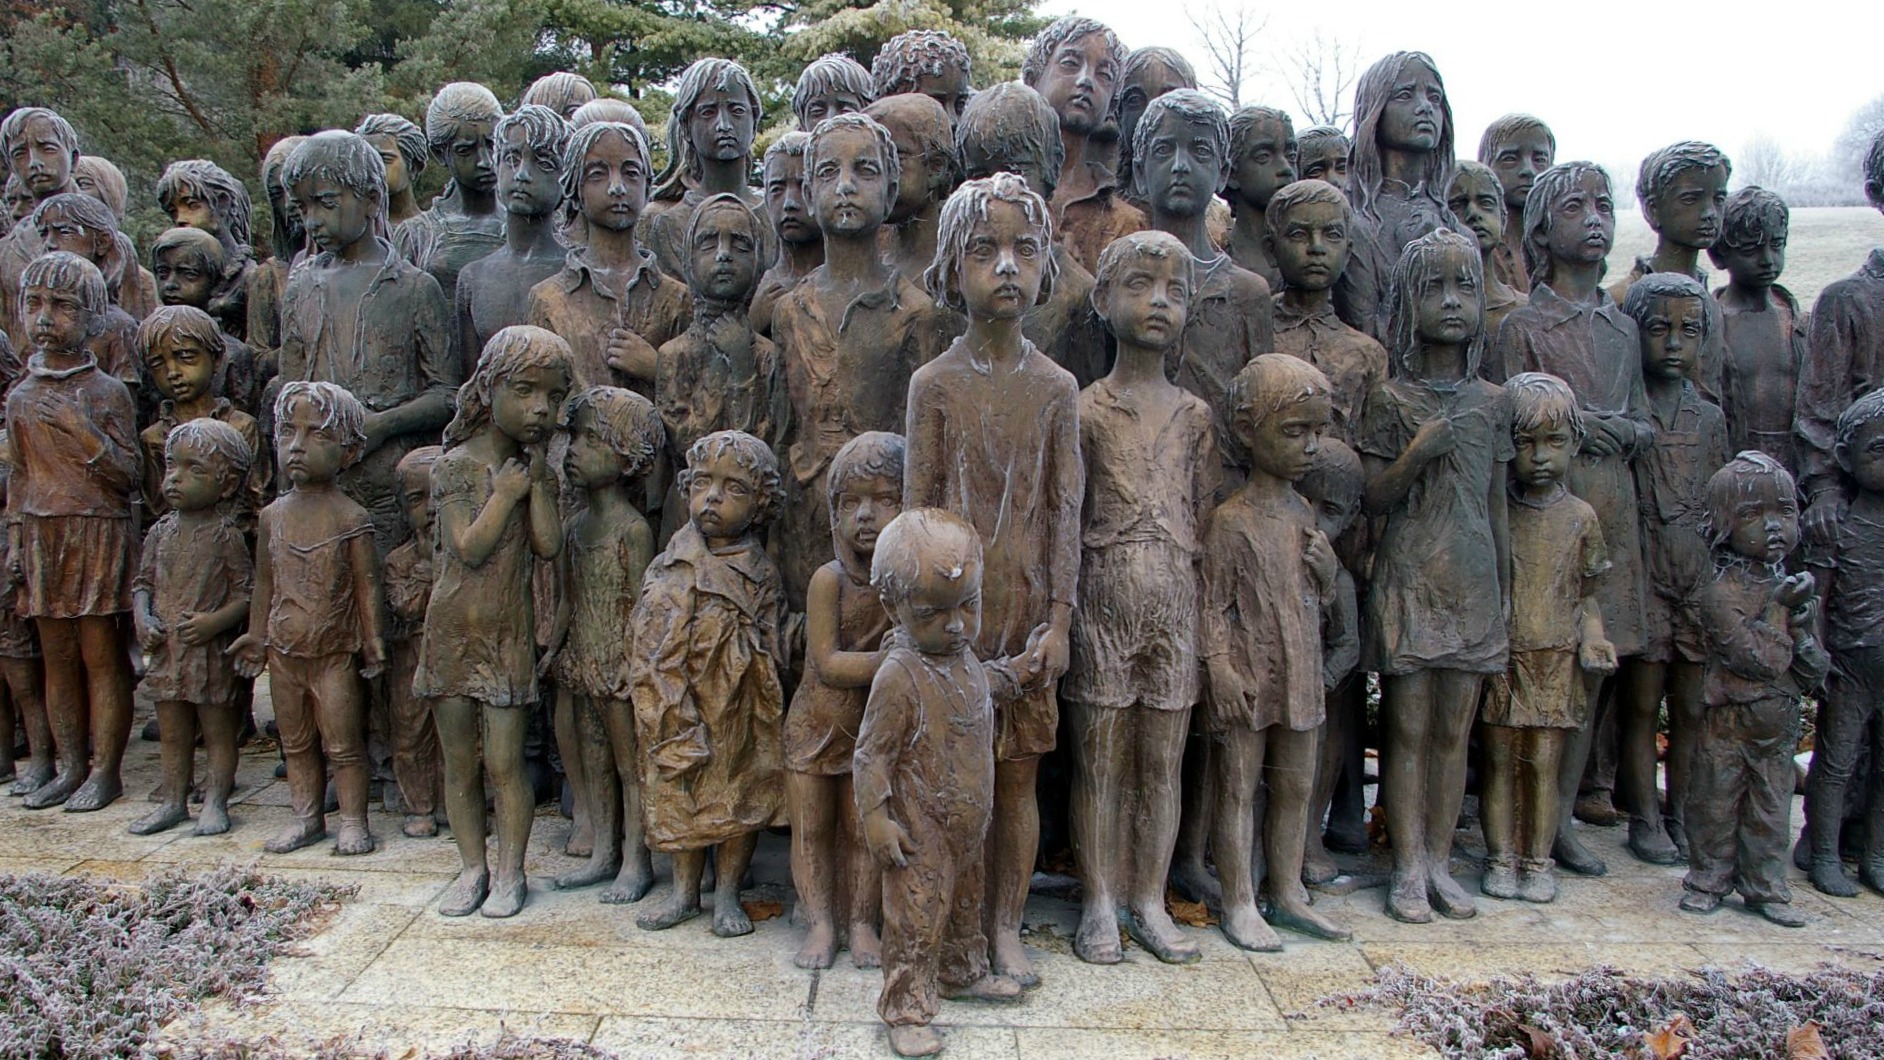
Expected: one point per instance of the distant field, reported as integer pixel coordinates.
(1827, 243)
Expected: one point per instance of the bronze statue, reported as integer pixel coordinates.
(104, 181)
(71, 524)
(1478, 201)
(928, 61)
(407, 574)
(314, 617)
(832, 84)
(18, 205)
(1332, 489)
(1557, 558)
(82, 225)
(1762, 656)
(1263, 151)
(288, 243)
(187, 263)
(993, 429)
(1147, 74)
(189, 599)
(849, 334)
(1151, 468)
(1309, 234)
(845, 623)
(1517, 148)
(927, 775)
(201, 194)
(608, 108)
(794, 226)
(1766, 333)
(1074, 64)
(494, 291)
(562, 92)
(925, 153)
(1435, 438)
(716, 115)
(185, 356)
(465, 222)
(404, 149)
(41, 150)
(705, 682)
(496, 501)
(1683, 190)
(1322, 154)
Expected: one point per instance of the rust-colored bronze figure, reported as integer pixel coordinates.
(927, 775)
(1761, 657)
(845, 621)
(81, 225)
(1009, 128)
(183, 354)
(494, 291)
(833, 84)
(1332, 489)
(314, 618)
(41, 150)
(1517, 148)
(1322, 154)
(1269, 575)
(608, 108)
(1671, 477)
(403, 147)
(925, 154)
(495, 496)
(562, 92)
(1435, 438)
(24, 712)
(1151, 468)
(71, 500)
(1683, 191)
(994, 436)
(1478, 201)
(1766, 334)
(611, 302)
(1557, 556)
(794, 227)
(187, 263)
(201, 194)
(104, 181)
(1403, 143)
(849, 334)
(1074, 64)
(465, 222)
(17, 204)
(411, 730)
(1854, 564)
(708, 703)
(1570, 328)
(1183, 147)
(1262, 161)
(189, 599)
(928, 61)
(615, 438)
(1309, 235)
(1146, 74)
(358, 315)
(288, 242)
(710, 129)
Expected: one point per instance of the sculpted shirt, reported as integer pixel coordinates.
(1847, 362)
(387, 348)
(1088, 223)
(580, 305)
(1353, 363)
(1707, 370)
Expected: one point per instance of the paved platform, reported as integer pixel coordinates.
(394, 973)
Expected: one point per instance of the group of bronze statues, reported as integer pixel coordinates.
(1069, 413)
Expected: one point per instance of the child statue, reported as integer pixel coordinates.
(1309, 233)
(1074, 64)
(464, 223)
(41, 150)
(288, 244)
(79, 224)
(1322, 154)
(187, 263)
(201, 194)
(24, 711)
(103, 180)
(1478, 201)
(794, 228)
(925, 153)
(993, 431)
(494, 290)
(1402, 160)
(402, 146)
(1263, 151)
(1332, 489)
(411, 730)
(1147, 74)
(1766, 334)
(1517, 148)
(833, 84)
(716, 115)
(1683, 189)
(562, 92)
(928, 61)
(184, 354)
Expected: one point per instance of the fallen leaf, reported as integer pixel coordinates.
(1190, 914)
(759, 911)
(1671, 1041)
(1377, 827)
(1804, 1043)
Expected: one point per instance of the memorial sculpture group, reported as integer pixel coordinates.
(1070, 416)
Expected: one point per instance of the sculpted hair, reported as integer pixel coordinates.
(418, 463)
(1752, 216)
(107, 180)
(1735, 481)
(1868, 409)
(1313, 137)
(454, 105)
(414, 150)
(215, 439)
(205, 249)
(928, 125)
(1473, 169)
(1552, 185)
(82, 209)
(1064, 31)
(1196, 109)
(747, 453)
(227, 197)
(13, 126)
(513, 349)
(342, 157)
(1539, 400)
(1135, 247)
(832, 74)
(608, 108)
(1508, 128)
(1661, 167)
(703, 76)
(625, 421)
(908, 57)
(286, 235)
(171, 322)
(1246, 120)
(1009, 122)
(727, 203)
(339, 410)
(1137, 62)
(1423, 258)
(61, 270)
(1272, 382)
(558, 91)
(886, 146)
(1639, 303)
(872, 454)
(581, 142)
(1370, 103)
(919, 539)
(968, 207)
(789, 145)
(1302, 193)
(544, 130)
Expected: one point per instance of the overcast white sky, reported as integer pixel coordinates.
(1598, 73)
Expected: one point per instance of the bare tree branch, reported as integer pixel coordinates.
(1229, 32)
(1320, 71)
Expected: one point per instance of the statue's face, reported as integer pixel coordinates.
(43, 164)
(335, 217)
(850, 187)
(1327, 161)
(614, 186)
(1003, 264)
(191, 209)
(1310, 247)
(949, 88)
(471, 155)
(912, 174)
(724, 257)
(181, 278)
(1671, 337)
(829, 104)
(1518, 161)
(398, 178)
(1284, 444)
(1688, 211)
(1447, 302)
(1078, 83)
(1480, 205)
(1149, 82)
(1147, 303)
(786, 204)
(1266, 164)
(1183, 164)
(1415, 110)
(721, 125)
(529, 178)
(1583, 222)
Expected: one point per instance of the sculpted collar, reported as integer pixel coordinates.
(1556, 309)
(577, 268)
(37, 365)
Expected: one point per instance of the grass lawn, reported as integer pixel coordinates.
(1827, 243)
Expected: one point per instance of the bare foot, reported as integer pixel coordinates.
(996, 988)
(1828, 876)
(300, 832)
(1245, 927)
(36, 775)
(506, 898)
(465, 894)
(1097, 940)
(1301, 917)
(729, 918)
(1317, 866)
(353, 838)
(1407, 901)
(632, 883)
(1194, 883)
(1010, 959)
(592, 872)
(419, 826)
(1448, 897)
(866, 948)
(99, 791)
(55, 791)
(1154, 930)
(581, 842)
(165, 817)
(918, 1040)
(212, 819)
(673, 909)
(819, 949)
